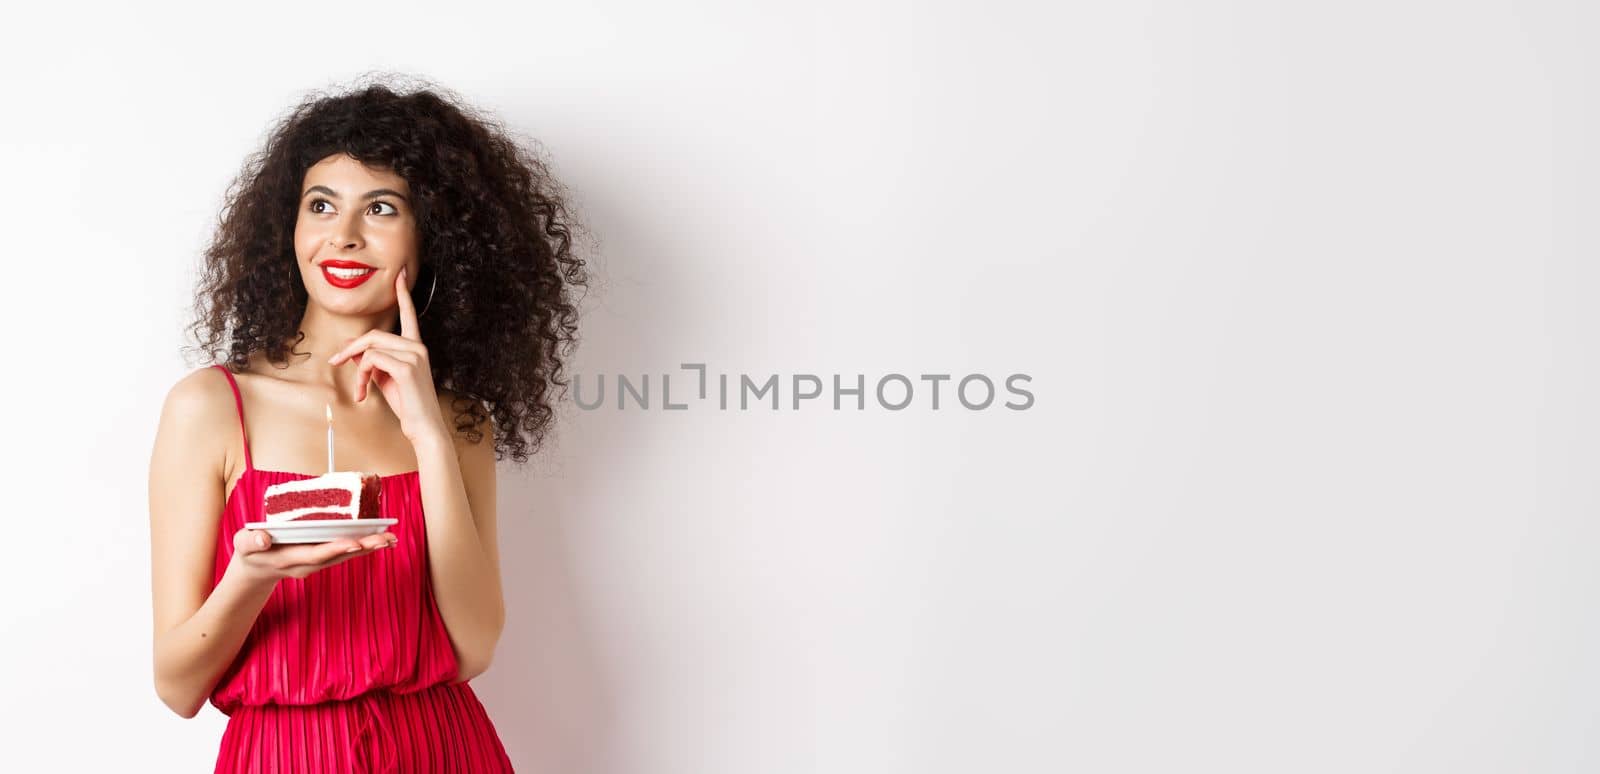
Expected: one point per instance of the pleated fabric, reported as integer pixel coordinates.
(348, 669)
(439, 729)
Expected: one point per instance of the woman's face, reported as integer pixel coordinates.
(357, 222)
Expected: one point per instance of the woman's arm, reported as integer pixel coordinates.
(457, 478)
(197, 630)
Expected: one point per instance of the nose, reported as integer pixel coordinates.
(345, 233)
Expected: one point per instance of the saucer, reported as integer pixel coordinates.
(321, 530)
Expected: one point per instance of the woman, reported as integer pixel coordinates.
(397, 257)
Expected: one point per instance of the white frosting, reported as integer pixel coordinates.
(344, 479)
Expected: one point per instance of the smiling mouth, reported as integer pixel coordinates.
(346, 278)
(347, 273)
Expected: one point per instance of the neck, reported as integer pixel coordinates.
(326, 334)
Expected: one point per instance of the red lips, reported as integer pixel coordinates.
(346, 282)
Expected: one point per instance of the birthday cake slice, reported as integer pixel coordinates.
(342, 494)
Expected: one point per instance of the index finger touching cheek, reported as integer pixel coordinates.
(408, 312)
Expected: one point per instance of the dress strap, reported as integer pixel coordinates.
(238, 402)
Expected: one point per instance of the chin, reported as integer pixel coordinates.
(344, 306)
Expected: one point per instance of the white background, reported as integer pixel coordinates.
(1304, 289)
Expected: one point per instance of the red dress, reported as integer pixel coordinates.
(349, 668)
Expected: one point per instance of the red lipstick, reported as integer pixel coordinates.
(346, 277)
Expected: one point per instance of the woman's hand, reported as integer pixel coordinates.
(258, 558)
(400, 366)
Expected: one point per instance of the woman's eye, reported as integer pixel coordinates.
(315, 207)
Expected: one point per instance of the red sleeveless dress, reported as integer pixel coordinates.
(348, 669)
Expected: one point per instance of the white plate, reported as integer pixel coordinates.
(321, 530)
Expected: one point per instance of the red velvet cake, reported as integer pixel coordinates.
(339, 495)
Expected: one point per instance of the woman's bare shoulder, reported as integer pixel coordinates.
(200, 393)
(197, 416)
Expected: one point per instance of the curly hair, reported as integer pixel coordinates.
(492, 222)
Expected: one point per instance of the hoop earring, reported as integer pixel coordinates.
(431, 288)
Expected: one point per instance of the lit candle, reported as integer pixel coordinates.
(329, 410)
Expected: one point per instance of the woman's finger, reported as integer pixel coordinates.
(311, 554)
(409, 328)
(376, 338)
(341, 559)
(250, 541)
(372, 338)
(380, 540)
(396, 365)
(367, 544)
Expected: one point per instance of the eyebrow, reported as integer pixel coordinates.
(373, 194)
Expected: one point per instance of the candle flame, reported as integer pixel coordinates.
(329, 410)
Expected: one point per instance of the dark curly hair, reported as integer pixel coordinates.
(492, 223)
